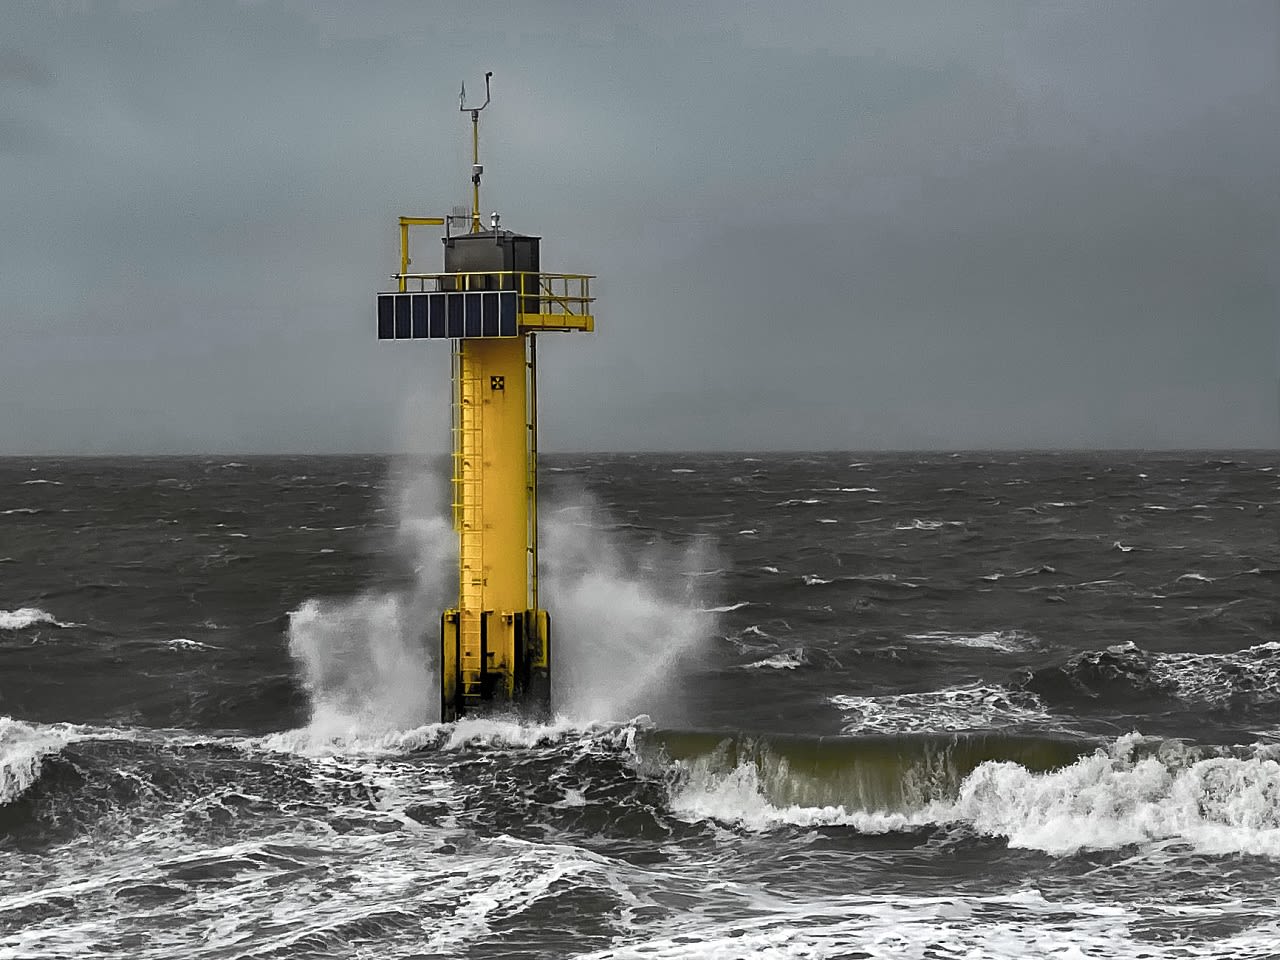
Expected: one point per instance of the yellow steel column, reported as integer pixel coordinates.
(404, 253)
(491, 510)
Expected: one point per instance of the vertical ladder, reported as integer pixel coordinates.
(468, 518)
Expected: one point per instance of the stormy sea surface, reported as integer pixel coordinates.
(945, 706)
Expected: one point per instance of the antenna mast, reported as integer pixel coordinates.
(476, 167)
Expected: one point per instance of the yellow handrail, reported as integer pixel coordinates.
(571, 292)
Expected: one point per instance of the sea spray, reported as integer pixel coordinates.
(23, 747)
(367, 662)
(625, 618)
(624, 621)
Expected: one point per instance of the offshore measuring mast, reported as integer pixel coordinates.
(491, 301)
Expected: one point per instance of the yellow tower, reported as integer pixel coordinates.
(491, 301)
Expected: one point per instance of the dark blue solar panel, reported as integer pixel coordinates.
(507, 315)
(437, 313)
(489, 314)
(471, 302)
(386, 316)
(402, 318)
(455, 317)
(445, 314)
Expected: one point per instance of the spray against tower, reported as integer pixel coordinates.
(490, 302)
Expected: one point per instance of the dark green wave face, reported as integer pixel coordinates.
(862, 772)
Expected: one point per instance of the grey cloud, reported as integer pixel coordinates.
(18, 69)
(824, 225)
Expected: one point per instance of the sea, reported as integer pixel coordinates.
(832, 705)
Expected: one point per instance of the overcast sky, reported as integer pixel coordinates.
(816, 225)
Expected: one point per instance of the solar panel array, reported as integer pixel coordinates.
(447, 315)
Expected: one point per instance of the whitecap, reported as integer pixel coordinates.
(918, 524)
(1006, 641)
(971, 707)
(23, 748)
(726, 609)
(788, 660)
(55, 483)
(182, 643)
(25, 617)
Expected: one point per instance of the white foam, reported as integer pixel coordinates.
(789, 660)
(1121, 797)
(810, 580)
(771, 925)
(55, 483)
(24, 745)
(1216, 678)
(182, 643)
(1006, 641)
(918, 524)
(25, 617)
(728, 607)
(972, 707)
(22, 748)
(315, 740)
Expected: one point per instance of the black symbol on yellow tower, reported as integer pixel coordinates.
(497, 383)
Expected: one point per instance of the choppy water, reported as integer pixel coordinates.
(810, 706)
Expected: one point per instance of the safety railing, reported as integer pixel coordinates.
(555, 294)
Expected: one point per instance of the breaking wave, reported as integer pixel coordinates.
(1051, 795)
(23, 748)
(25, 617)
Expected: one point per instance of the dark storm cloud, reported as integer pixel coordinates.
(817, 225)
